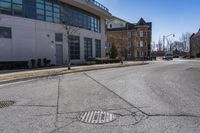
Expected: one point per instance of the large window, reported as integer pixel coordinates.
(40, 12)
(56, 13)
(29, 8)
(5, 32)
(74, 42)
(17, 7)
(88, 47)
(51, 10)
(98, 48)
(79, 18)
(5, 6)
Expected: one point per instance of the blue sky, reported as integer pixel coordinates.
(167, 16)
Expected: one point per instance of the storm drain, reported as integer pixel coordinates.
(4, 104)
(96, 117)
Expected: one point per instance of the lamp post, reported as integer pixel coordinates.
(165, 37)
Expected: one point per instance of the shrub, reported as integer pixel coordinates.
(48, 62)
(32, 63)
(39, 63)
(106, 60)
(198, 55)
(113, 52)
(45, 62)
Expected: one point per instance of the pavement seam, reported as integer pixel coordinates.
(149, 115)
(115, 94)
(58, 97)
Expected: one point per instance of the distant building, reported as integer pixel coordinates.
(195, 44)
(132, 40)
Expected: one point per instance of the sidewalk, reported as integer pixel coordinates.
(12, 76)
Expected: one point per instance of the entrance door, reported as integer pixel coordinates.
(59, 55)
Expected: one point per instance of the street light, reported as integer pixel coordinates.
(165, 37)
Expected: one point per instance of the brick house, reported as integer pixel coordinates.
(132, 40)
(195, 44)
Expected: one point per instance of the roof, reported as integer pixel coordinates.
(130, 26)
(141, 22)
(114, 17)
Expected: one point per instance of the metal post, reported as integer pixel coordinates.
(69, 58)
(143, 53)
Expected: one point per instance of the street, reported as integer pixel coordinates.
(161, 97)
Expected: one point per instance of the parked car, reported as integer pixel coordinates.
(175, 56)
(168, 56)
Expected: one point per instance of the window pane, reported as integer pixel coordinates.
(98, 48)
(29, 8)
(59, 37)
(88, 47)
(17, 9)
(40, 17)
(49, 19)
(40, 1)
(56, 10)
(17, 1)
(40, 11)
(49, 13)
(40, 5)
(5, 32)
(74, 42)
(5, 7)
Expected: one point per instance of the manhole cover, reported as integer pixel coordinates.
(4, 104)
(96, 117)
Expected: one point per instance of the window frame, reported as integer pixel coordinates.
(3, 32)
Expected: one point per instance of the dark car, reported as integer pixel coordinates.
(175, 56)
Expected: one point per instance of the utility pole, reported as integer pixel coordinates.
(165, 37)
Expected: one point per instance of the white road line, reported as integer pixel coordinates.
(87, 117)
(91, 115)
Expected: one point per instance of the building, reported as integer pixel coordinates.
(133, 40)
(195, 44)
(38, 29)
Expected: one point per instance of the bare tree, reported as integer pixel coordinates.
(185, 38)
(160, 45)
(169, 44)
(71, 29)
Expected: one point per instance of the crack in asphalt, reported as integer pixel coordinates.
(115, 93)
(138, 117)
(149, 115)
(58, 128)
(58, 97)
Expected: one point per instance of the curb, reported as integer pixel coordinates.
(34, 75)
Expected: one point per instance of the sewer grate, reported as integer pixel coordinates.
(96, 117)
(4, 104)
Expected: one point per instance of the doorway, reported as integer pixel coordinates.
(59, 55)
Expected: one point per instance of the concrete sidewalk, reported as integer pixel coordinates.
(13, 76)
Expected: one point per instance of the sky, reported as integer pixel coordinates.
(167, 16)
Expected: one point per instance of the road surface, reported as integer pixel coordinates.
(162, 97)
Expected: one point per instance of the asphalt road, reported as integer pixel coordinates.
(162, 97)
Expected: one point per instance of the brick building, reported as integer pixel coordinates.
(132, 40)
(195, 44)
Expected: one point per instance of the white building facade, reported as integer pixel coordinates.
(52, 29)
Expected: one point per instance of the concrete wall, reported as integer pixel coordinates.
(33, 39)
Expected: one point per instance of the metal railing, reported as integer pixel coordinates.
(94, 2)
